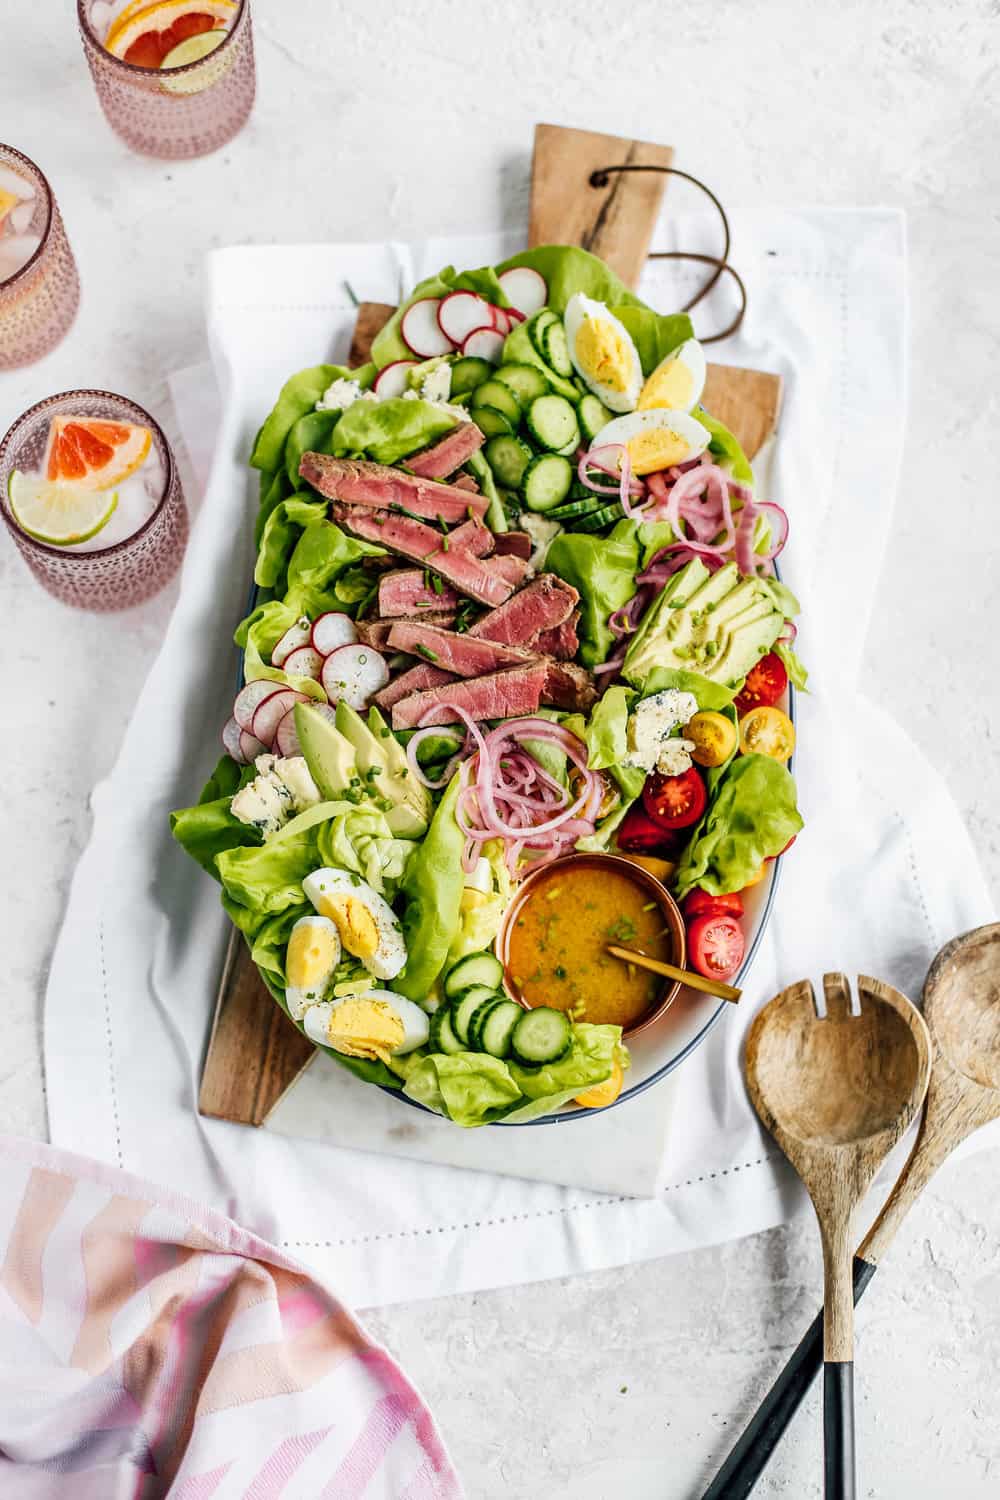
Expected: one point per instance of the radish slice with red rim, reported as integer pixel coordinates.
(295, 636)
(271, 712)
(460, 312)
(501, 322)
(231, 740)
(353, 675)
(249, 699)
(286, 739)
(333, 630)
(421, 330)
(484, 343)
(250, 746)
(524, 289)
(392, 380)
(304, 662)
(514, 316)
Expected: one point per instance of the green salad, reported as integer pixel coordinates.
(516, 599)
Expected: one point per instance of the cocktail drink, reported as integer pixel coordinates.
(39, 289)
(175, 78)
(92, 499)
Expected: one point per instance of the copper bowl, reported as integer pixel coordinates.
(647, 882)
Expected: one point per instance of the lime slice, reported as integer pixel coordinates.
(193, 49)
(60, 514)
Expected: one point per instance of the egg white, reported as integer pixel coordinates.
(416, 1024)
(583, 313)
(657, 438)
(298, 994)
(323, 887)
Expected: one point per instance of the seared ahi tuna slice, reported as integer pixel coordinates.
(376, 487)
(424, 545)
(376, 632)
(514, 544)
(464, 655)
(543, 604)
(417, 680)
(502, 695)
(472, 537)
(568, 686)
(561, 641)
(448, 453)
(514, 569)
(406, 590)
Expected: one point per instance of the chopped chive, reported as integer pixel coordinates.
(436, 584)
(426, 651)
(649, 906)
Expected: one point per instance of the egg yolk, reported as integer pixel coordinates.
(672, 387)
(355, 923)
(603, 353)
(365, 1028)
(656, 448)
(310, 957)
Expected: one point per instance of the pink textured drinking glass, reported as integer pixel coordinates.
(140, 549)
(175, 112)
(39, 298)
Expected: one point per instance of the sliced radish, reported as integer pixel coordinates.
(304, 662)
(353, 675)
(421, 331)
(514, 316)
(231, 740)
(286, 739)
(250, 746)
(460, 312)
(249, 699)
(501, 322)
(295, 636)
(392, 380)
(272, 711)
(332, 631)
(484, 343)
(524, 289)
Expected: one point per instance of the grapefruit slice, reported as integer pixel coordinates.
(147, 37)
(93, 454)
(60, 514)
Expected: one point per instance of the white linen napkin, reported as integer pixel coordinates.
(870, 884)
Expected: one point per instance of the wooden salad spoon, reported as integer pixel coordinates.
(961, 1001)
(716, 987)
(837, 1088)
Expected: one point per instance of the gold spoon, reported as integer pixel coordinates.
(962, 1010)
(694, 981)
(837, 1088)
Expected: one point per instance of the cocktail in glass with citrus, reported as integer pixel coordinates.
(92, 499)
(39, 289)
(175, 78)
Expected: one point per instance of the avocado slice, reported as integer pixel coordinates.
(719, 627)
(330, 757)
(377, 750)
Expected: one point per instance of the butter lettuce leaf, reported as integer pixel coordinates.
(388, 430)
(751, 817)
(299, 395)
(361, 841)
(602, 570)
(388, 344)
(707, 694)
(725, 448)
(606, 733)
(209, 827)
(432, 889)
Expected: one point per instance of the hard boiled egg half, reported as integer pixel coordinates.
(603, 352)
(376, 1025)
(657, 439)
(678, 381)
(367, 925)
(312, 955)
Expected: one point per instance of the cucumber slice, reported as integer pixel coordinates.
(468, 372)
(536, 329)
(464, 1007)
(494, 393)
(498, 1028)
(547, 481)
(508, 457)
(541, 1036)
(479, 1019)
(491, 422)
(592, 415)
(442, 1036)
(552, 423)
(555, 349)
(578, 508)
(598, 519)
(475, 968)
(526, 381)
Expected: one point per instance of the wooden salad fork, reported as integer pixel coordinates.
(961, 1000)
(837, 1085)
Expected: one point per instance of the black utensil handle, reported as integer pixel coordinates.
(839, 1464)
(751, 1455)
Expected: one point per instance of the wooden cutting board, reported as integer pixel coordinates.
(254, 1052)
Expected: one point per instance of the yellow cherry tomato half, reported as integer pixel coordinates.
(714, 737)
(767, 731)
(603, 1094)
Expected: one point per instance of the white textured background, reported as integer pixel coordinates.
(398, 118)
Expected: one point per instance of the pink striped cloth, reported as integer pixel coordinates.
(152, 1348)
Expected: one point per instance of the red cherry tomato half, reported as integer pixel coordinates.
(716, 945)
(675, 801)
(638, 834)
(764, 684)
(699, 903)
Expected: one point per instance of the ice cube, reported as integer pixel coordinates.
(15, 251)
(100, 18)
(13, 182)
(21, 215)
